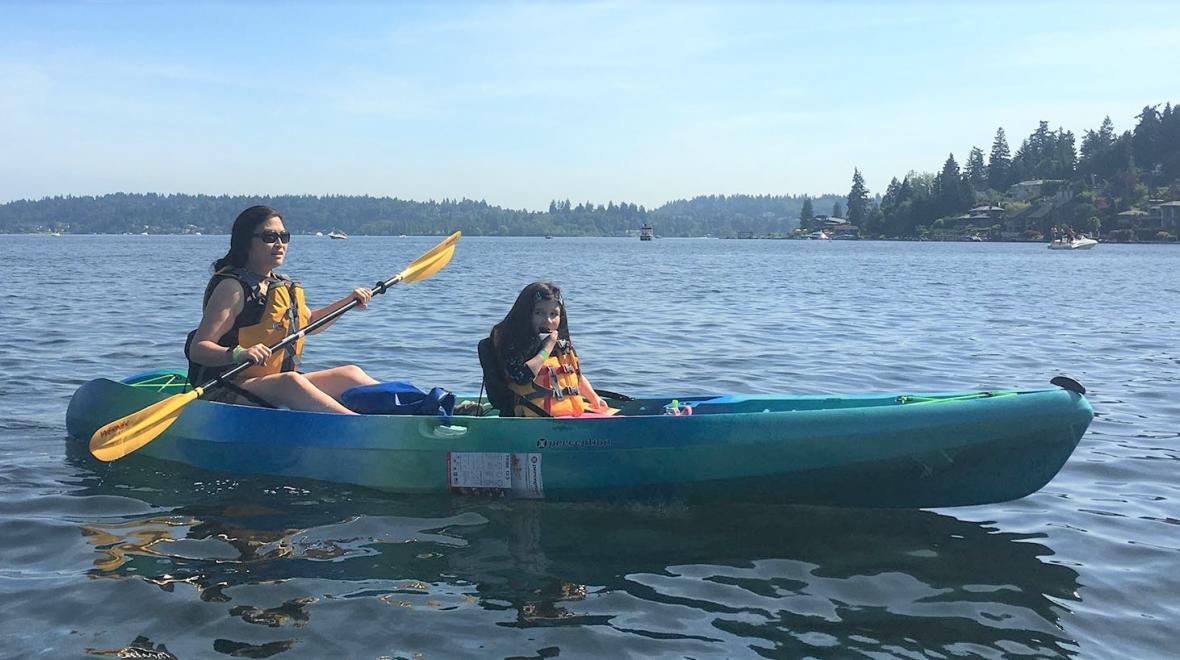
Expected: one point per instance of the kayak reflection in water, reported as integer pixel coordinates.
(247, 308)
(536, 371)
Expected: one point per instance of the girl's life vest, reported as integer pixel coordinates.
(265, 319)
(555, 388)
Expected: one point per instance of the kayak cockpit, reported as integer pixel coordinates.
(174, 381)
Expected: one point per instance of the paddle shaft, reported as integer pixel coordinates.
(380, 287)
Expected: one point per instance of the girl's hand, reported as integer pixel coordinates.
(258, 353)
(548, 341)
(599, 403)
(363, 296)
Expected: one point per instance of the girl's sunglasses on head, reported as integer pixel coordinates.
(270, 237)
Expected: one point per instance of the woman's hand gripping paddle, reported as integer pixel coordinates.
(125, 435)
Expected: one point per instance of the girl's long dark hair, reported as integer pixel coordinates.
(240, 236)
(517, 327)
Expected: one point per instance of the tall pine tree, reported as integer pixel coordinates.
(948, 189)
(858, 200)
(999, 164)
(976, 171)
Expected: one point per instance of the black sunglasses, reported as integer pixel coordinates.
(270, 237)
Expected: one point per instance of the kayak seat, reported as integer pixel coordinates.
(494, 380)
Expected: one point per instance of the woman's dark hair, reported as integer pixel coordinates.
(240, 236)
(517, 326)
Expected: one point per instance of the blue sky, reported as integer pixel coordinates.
(521, 103)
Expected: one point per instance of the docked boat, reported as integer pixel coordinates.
(818, 236)
(338, 235)
(873, 450)
(646, 232)
(1082, 243)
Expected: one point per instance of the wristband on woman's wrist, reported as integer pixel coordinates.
(236, 354)
(544, 354)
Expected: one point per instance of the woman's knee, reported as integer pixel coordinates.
(294, 380)
(352, 373)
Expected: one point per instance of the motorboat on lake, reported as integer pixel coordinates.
(1080, 243)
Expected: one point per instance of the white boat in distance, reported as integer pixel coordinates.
(1082, 243)
(338, 235)
(818, 236)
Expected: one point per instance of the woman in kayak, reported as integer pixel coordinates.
(533, 346)
(247, 308)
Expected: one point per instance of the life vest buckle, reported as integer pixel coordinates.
(558, 395)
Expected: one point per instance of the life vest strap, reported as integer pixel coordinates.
(531, 406)
(245, 394)
(558, 393)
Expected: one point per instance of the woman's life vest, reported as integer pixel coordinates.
(555, 388)
(265, 319)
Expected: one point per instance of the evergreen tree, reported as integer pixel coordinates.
(948, 190)
(1028, 161)
(806, 214)
(1146, 143)
(837, 210)
(1065, 162)
(890, 208)
(976, 171)
(1170, 142)
(1103, 153)
(999, 164)
(858, 199)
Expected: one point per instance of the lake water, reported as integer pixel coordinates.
(142, 555)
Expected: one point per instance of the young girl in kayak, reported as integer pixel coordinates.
(533, 346)
(248, 307)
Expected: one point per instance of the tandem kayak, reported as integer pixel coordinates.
(872, 450)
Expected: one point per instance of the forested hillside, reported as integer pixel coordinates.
(718, 215)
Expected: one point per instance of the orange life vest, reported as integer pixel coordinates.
(284, 313)
(555, 388)
(263, 320)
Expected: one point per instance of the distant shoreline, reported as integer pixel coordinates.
(1101, 241)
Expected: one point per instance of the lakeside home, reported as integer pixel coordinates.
(1159, 218)
(831, 226)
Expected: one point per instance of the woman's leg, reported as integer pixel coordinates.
(334, 382)
(294, 390)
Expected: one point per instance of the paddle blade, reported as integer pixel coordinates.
(123, 436)
(431, 262)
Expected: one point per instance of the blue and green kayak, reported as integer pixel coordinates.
(873, 450)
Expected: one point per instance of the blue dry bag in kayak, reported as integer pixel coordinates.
(398, 397)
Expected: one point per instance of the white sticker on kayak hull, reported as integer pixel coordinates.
(496, 473)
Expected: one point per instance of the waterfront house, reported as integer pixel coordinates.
(839, 227)
(1037, 188)
(975, 222)
(986, 213)
(1170, 216)
(1147, 225)
(820, 221)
